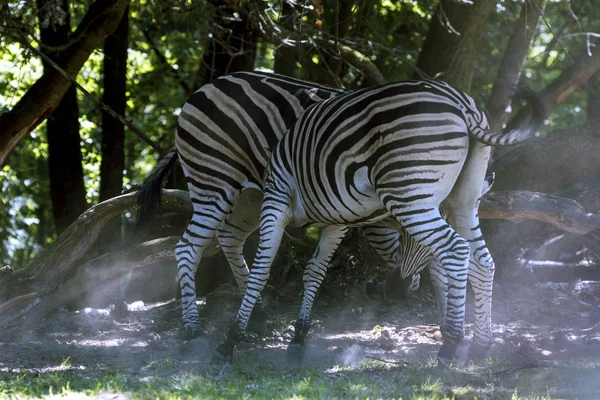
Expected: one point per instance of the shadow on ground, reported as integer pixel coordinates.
(358, 348)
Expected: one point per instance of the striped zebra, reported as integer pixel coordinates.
(389, 154)
(397, 285)
(225, 134)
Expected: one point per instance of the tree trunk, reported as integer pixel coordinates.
(450, 56)
(593, 99)
(339, 25)
(552, 163)
(67, 190)
(513, 61)
(44, 95)
(114, 96)
(233, 46)
(113, 131)
(286, 56)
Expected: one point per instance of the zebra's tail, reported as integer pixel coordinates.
(148, 196)
(522, 132)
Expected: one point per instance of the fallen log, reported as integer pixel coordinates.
(93, 274)
(517, 206)
(53, 274)
(54, 265)
(556, 271)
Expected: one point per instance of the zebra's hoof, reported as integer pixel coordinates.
(295, 352)
(447, 352)
(193, 333)
(223, 353)
(478, 352)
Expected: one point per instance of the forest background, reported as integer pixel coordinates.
(61, 152)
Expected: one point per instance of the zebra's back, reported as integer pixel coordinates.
(227, 129)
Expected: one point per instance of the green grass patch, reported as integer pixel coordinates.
(249, 378)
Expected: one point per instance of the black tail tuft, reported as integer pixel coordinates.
(523, 130)
(148, 196)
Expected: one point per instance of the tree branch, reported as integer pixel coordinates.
(517, 206)
(51, 268)
(172, 71)
(93, 274)
(44, 95)
(570, 81)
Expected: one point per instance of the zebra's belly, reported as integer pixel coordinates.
(318, 211)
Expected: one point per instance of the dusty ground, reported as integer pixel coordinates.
(530, 323)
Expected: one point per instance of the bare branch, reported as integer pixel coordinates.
(174, 73)
(44, 95)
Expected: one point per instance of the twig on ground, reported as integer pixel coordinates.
(387, 361)
(444, 364)
(527, 365)
(219, 377)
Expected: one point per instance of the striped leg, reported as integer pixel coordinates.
(385, 241)
(439, 279)
(331, 237)
(481, 275)
(451, 251)
(188, 252)
(240, 223)
(273, 220)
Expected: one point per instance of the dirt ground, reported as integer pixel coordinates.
(556, 329)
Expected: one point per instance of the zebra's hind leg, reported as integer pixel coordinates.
(240, 223)
(439, 280)
(480, 275)
(451, 251)
(273, 220)
(331, 237)
(200, 231)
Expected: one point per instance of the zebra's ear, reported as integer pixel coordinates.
(488, 182)
(313, 95)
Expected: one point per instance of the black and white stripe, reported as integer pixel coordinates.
(225, 134)
(389, 155)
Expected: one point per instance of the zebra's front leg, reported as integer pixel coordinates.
(331, 237)
(272, 225)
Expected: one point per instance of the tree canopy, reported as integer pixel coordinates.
(174, 47)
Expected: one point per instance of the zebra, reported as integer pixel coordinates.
(224, 135)
(402, 279)
(389, 154)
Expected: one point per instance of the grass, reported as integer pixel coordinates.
(249, 378)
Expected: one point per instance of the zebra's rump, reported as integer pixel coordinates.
(227, 129)
(406, 138)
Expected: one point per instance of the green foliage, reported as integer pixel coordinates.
(389, 33)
